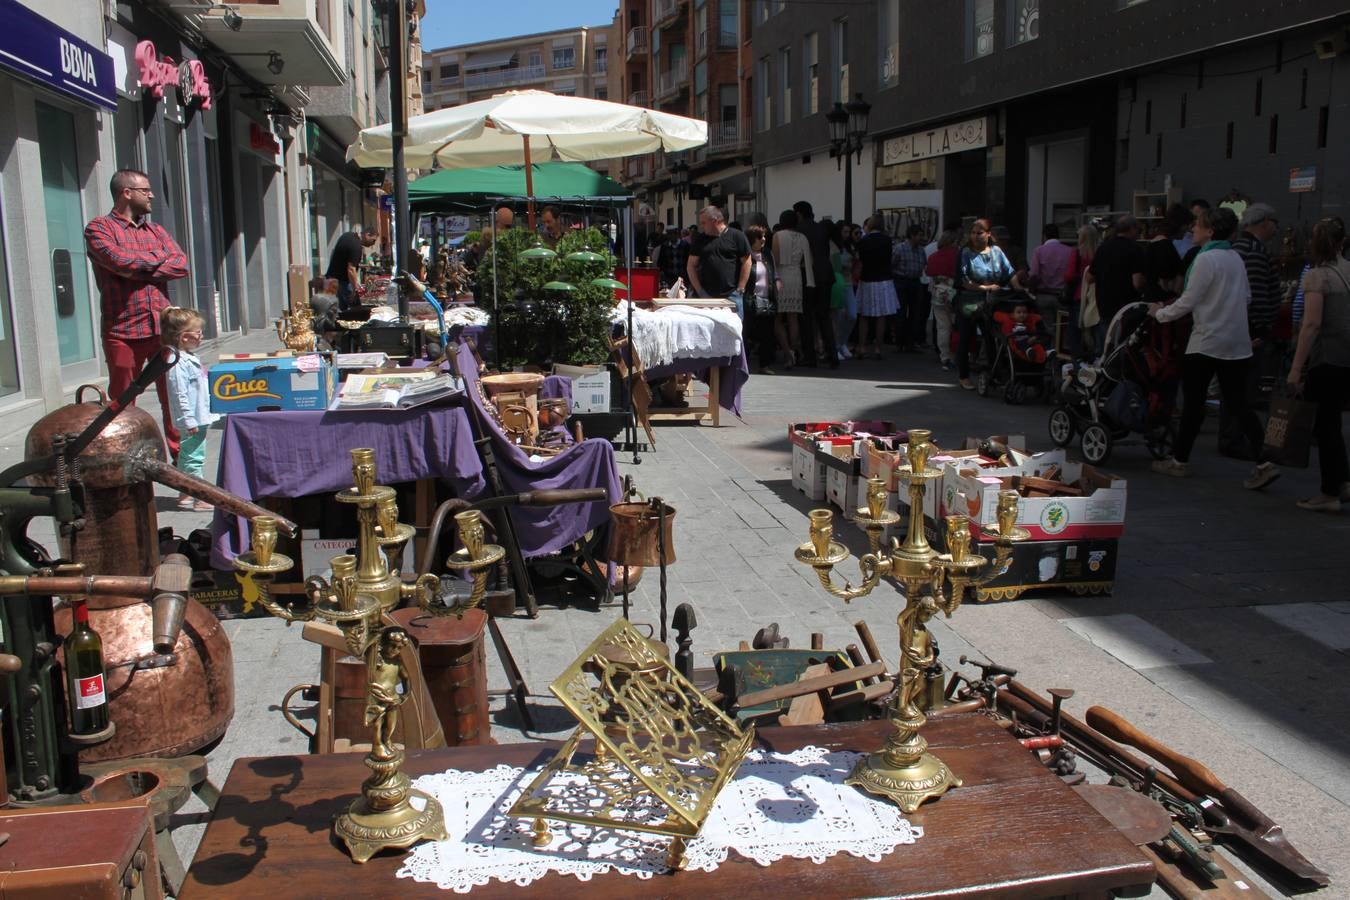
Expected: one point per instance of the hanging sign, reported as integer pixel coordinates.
(42, 52)
(971, 134)
(155, 73)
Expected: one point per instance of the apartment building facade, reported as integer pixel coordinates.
(1030, 114)
(689, 57)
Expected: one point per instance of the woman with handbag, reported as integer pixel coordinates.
(941, 270)
(983, 271)
(1215, 296)
(794, 273)
(1321, 368)
(761, 319)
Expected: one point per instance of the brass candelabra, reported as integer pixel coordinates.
(931, 582)
(389, 812)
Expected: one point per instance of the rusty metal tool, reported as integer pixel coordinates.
(1238, 820)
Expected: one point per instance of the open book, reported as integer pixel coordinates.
(396, 391)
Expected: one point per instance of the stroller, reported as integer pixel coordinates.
(1002, 363)
(1131, 388)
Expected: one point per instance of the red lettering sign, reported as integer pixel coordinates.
(261, 139)
(155, 74)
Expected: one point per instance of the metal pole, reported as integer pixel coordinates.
(848, 185)
(398, 112)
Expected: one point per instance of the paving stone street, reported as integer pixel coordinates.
(1225, 636)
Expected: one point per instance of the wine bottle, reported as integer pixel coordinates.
(88, 698)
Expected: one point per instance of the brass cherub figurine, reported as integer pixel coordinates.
(387, 690)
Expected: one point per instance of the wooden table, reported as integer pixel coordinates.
(1013, 830)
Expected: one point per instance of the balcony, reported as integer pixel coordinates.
(301, 33)
(728, 137)
(637, 40)
(670, 84)
(639, 98)
(503, 77)
(666, 12)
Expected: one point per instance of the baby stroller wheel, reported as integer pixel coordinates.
(1061, 427)
(982, 383)
(1095, 443)
(1160, 441)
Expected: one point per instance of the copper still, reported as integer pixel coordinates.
(163, 704)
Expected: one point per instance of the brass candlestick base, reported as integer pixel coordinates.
(390, 813)
(902, 770)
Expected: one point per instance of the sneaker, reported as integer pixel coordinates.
(1321, 504)
(1172, 467)
(187, 503)
(202, 506)
(967, 384)
(767, 371)
(948, 365)
(1261, 476)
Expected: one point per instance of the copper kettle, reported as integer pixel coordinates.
(634, 537)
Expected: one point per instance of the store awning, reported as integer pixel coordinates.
(493, 59)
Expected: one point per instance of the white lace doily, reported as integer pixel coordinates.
(778, 805)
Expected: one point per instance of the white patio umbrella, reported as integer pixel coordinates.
(524, 127)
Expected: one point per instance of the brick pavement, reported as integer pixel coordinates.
(1226, 634)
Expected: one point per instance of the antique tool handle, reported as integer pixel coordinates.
(1190, 772)
(559, 497)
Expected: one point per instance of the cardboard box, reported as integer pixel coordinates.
(316, 553)
(1083, 566)
(1098, 514)
(808, 476)
(590, 393)
(226, 595)
(277, 382)
(837, 453)
(841, 490)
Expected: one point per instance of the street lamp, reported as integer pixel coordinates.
(679, 182)
(848, 130)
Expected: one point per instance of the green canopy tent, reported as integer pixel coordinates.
(453, 190)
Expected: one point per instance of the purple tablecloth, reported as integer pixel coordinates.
(735, 373)
(588, 464)
(295, 454)
(298, 453)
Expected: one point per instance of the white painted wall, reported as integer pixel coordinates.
(819, 183)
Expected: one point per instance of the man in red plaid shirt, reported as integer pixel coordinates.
(134, 260)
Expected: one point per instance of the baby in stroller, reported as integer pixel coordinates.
(1025, 332)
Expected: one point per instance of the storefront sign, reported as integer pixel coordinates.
(260, 140)
(155, 73)
(971, 134)
(38, 50)
(1303, 180)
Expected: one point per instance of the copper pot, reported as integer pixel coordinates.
(166, 710)
(552, 412)
(633, 539)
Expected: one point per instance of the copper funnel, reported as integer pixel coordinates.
(634, 536)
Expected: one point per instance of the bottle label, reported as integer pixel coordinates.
(89, 692)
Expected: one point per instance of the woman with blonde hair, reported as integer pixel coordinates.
(1078, 337)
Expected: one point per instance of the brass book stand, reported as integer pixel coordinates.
(662, 750)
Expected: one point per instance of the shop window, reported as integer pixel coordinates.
(979, 28)
(765, 97)
(785, 85)
(1024, 21)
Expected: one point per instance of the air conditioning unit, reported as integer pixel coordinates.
(1332, 45)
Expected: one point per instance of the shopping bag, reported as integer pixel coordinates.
(1289, 432)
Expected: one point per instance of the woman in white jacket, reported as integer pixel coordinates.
(1216, 298)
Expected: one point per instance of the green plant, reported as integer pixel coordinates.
(540, 326)
(473, 237)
